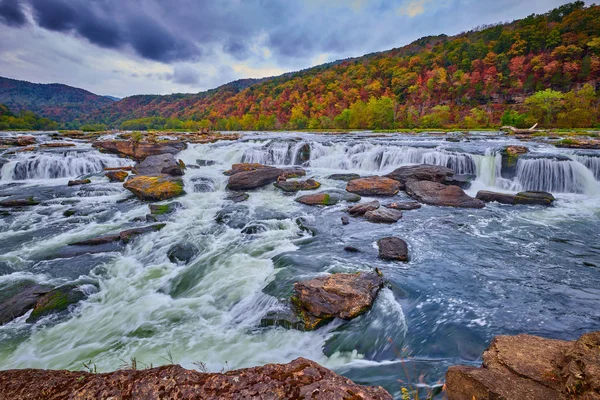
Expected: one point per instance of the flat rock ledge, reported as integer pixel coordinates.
(528, 367)
(299, 379)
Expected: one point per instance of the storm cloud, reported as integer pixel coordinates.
(11, 13)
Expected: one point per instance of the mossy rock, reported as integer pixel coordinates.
(55, 301)
(155, 188)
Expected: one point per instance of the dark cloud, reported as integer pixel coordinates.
(11, 13)
(237, 49)
(186, 75)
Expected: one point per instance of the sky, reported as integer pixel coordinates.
(127, 47)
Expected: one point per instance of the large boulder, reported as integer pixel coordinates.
(139, 150)
(374, 186)
(158, 165)
(299, 379)
(503, 198)
(437, 194)
(384, 215)
(535, 198)
(253, 179)
(244, 167)
(423, 172)
(533, 368)
(295, 186)
(55, 301)
(344, 296)
(393, 249)
(19, 298)
(361, 209)
(155, 188)
(328, 198)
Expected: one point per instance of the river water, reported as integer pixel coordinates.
(473, 274)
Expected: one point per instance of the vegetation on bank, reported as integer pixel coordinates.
(24, 120)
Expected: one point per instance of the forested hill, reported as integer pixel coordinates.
(55, 101)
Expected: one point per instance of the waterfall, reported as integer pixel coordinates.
(57, 165)
(591, 162)
(555, 175)
(489, 168)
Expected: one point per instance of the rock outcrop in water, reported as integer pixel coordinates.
(327, 198)
(55, 301)
(299, 379)
(393, 249)
(296, 186)
(20, 140)
(532, 368)
(437, 194)
(253, 179)
(344, 296)
(423, 172)
(158, 165)
(116, 176)
(374, 186)
(404, 205)
(139, 150)
(361, 209)
(155, 188)
(343, 177)
(19, 298)
(531, 198)
(384, 215)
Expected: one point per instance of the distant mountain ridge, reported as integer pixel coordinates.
(54, 100)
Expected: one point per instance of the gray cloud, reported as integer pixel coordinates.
(11, 13)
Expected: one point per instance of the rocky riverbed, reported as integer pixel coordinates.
(365, 254)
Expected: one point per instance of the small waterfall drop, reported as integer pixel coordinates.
(555, 175)
(591, 162)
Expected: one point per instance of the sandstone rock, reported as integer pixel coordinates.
(155, 188)
(581, 367)
(344, 296)
(344, 177)
(19, 298)
(126, 168)
(537, 198)
(20, 140)
(79, 182)
(293, 172)
(57, 144)
(438, 194)
(374, 186)
(158, 165)
(253, 179)
(139, 150)
(423, 172)
(19, 202)
(516, 150)
(295, 186)
(244, 167)
(503, 198)
(393, 249)
(404, 206)
(116, 176)
(361, 209)
(327, 198)
(55, 301)
(384, 216)
(299, 379)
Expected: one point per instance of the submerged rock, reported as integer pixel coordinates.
(17, 299)
(253, 179)
(437, 194)
(116, 176)
(238, 197)
(79, 182)
(374, 186)
(361, 209)
(203, 185)
(155, 188)
(205, 163)
(393, 249)
(531, 367)
(158, 165)
(327, 198)
(182, 253)
(404, 206)
(295, 186)
(343, 177)
(129, 234)
(345, 220)
(19, 202)
(162, 212)
(299, 379)
(345, 296)
(20, 140)
(384, 216)
(423, 172)
(55, 301)
(97, 241)
(139, 150)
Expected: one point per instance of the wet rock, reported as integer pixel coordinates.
(423, 172)
(437, 194)
(125, 168)
(384, 216)
(404, 206)
(299, 379)
(17, 299)
(374, 186)
(393, 249)
(55, 301)
(462, 181)
(295, 186)
(139, 150)
(237, 197)
(254, 229)
(286, 318)
(303, 154)
(571, 143)
(205, 163)
(515, 150)
(503, 198)
(531, 367)
(79, 182)
(345, 296)
(19, 202)
(20, 140)
(182, 253)
(234, 216)
(343, 177)
(361, 209)
(305, 226)
(57, 144)
(155, 188)
(129, 234)
(161, 212)
(351, 249)
(253, 179)
(244, 167)
(328, 198)
(97, 241)
(203, 185)
(345, 220)
(536, 198)
(158, 165)
(293, 172)
(116, 176)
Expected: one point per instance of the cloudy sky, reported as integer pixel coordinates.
(125, 47)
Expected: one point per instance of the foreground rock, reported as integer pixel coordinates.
(393, 249)
(437, 194)
(344, 296)
(296, 186)
(531, 198)
(374, 186)
(384, 216)
(139, 150)
(253, 179)
(532, 368)
(158, 165)
(299, 379)
(423, 172)
(155, 188)
(362, 209)
(328, 198)
(17, 299)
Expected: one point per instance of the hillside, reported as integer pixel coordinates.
(55, 101)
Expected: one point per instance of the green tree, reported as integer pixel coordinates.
(543, 107)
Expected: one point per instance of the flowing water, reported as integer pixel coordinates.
(473, 274)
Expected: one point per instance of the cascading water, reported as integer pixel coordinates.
(559, 175)
(592, 162)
